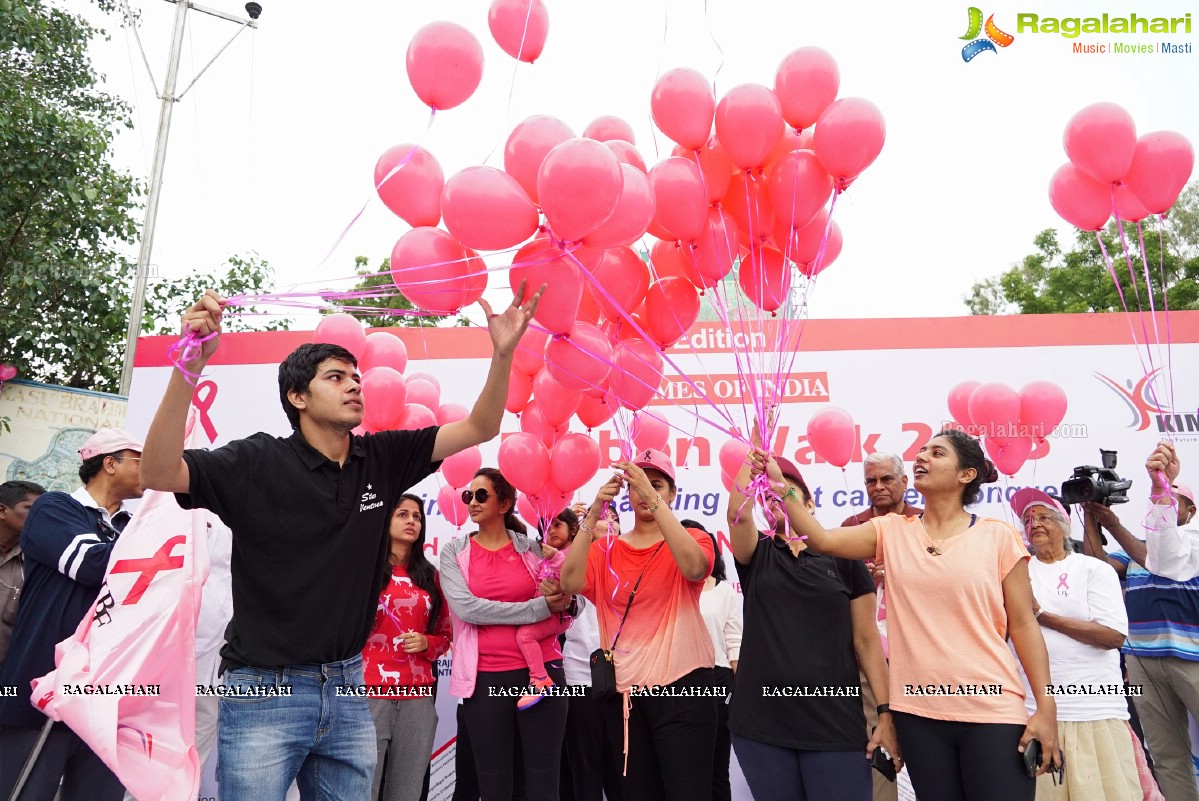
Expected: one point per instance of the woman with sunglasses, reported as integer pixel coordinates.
(411, 629)
(491, 580)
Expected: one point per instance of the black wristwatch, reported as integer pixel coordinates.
(573, 608)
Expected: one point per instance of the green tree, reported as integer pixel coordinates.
(378, 281)
(1053, 280)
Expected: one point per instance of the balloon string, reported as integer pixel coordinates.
(520, 50)
(187, 348)
(1161, 266)
(719, 49)
(658, 74)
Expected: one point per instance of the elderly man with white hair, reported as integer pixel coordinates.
(1078, 603)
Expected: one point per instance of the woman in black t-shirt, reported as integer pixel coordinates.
(796, 713)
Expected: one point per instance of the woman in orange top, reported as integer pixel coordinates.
(664, 657)
(958, 589)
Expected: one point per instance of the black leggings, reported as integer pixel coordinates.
(494, 725)
(953, 761)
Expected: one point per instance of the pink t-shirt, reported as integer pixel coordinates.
(946, 621)
(502, 576)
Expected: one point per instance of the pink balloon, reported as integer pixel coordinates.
(622, 275)
(732, 455)
(1042, 407)
(555, 401)
(524, 461)
(519, 27)
(959, 402)
(787, 143)
(683, 106)
(580, 359)
(383, 349)
(383, 394)
(806, 82)
(451, 413)
(579, 187)
(633, 213)
(416, 417)
(525, 510)
(833, 435)
(748, 123)
(433, 271)
(461, 467)
(803, 246)
(668, 259)
(849, 136)
(486, 208)
(358, 431)
(530, 352)
(445, 64)
(1009, 455)
(671, 306)
(528, 145)
(799, 188)
(638, 373)
(595, 412)
(532, 422)
(520, 389)
(412, 191)
(540, 262)
(680, 200)
(715, 250)
(573, 461)
(765, 278)
(1078, 199)
(423, 393)
(432, 379)
(1161, 166)
(608, 127)
(1040, 448)
(1126, 205)
(1100, 140)
(626, 154)
(649, 432)
(727, 481)
(995, 410)
(714, 165)
(748, 202)
(341, 329)
(449, 502)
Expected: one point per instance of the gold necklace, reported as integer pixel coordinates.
(935, 548)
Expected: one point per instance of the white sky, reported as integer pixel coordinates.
(274, 147)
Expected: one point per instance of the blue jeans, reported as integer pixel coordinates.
(323, 740)
(772, 771)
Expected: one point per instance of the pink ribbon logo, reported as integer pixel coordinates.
(203, 402)
(1061, 582)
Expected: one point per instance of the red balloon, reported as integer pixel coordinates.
(668, 259)
(748, 202)
(459, 468)
(383, 393)
(715, 167)
(787, 143)
(519, 27)
(633, 213)
(445, 64)
(451, 413)
(765, 278)
(555, 401)
(959, 402)
(995, 410)
(748, 123)
(806, 82)
(529, 357)
(799, 188)
(831, 251)
(1009, 455)
(803, 245)
(1126, 205)
(649, 432)
(581, 359)
(341, 329)
(432, 270)
(732, 456)
(528, 145)
(608, 127)
(1100, 140)
(1161, 166)
(682, 105)
(715, 250)
(833, 435)
(579, 186)
(1042, 407)
(626, 154)
(1040, 448)
(849, 136)
(416, 417)
(540, 262)
(573, 461)
(423, 393)
(533, 422)
(524, 461)
(411, 191)
(671, 306)
(589, 308)
(622, 275)
(449, 502)
(681, 203)
(520, 389)
(595, 412)
(638, 373)
(486, 208)
(1078, 199)
(383, 349)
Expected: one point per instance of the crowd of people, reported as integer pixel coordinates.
(598, 661)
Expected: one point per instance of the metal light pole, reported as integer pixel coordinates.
(168, 98)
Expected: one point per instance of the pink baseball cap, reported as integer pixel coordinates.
(1029, 496)
(656, 460)
(1184, 491)
(789, 470)
(109, 440)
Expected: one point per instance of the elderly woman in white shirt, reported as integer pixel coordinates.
(1078, 603)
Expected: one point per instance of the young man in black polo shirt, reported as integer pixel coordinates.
(309, 516)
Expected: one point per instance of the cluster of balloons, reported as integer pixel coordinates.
(1113, 172)
(1014, 425)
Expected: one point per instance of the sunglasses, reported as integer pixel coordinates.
(480, 496)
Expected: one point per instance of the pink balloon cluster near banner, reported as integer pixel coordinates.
(1015, 426)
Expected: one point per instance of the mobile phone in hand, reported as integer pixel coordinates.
(880, 760)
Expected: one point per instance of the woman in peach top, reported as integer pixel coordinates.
(958, 589)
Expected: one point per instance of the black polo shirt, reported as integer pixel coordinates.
(798, 633)
(309, 538)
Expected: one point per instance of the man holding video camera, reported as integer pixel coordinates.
(1161, 652)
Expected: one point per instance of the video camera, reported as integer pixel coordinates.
(1098, 484)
